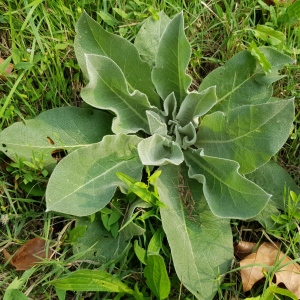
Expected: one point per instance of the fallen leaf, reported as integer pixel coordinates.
(29, 254)
(289, 274)
(266, 255)
(8, 70)
(242, 249)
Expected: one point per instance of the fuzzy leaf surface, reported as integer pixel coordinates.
(107, 89)
(196, 104)
(66, 128)
(229, 194)
(250, 134)
(158, 150)
(171, 61)
(148, 37)
(274, 179)
(201, 243)
(85, 181)
(91, 38)
(242, 81)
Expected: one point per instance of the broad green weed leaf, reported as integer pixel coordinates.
(148, 37)
(158, 150)
(269, 35)
(91, 281)
(229, 194)
(85, 181)
(201, 243)
(107, 89)
(157, 277)
(196, 104)
(66, 128)
(171, 61)
(242, 81)
(249, 134)
(91, 38)
(97, 244)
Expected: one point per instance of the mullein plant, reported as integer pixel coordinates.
(212, 145)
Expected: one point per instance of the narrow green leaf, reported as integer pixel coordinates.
(91, 38)
(157, 150)
(129, 228)
(280, 291)
(196, 104)
(250, 134)
(66, 128)
(148, 37)
(201, 243)
(85, 181)
(242, 81)
(92, 281)
(157, 277)
(155, 243)
(140, 252)
(171, 61)
(229, 195)
(107, 89)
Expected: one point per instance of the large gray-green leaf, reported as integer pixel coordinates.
(274, 179)
(242, 81)
(156, 123)
(157, 150)
(201, 243)
(97, 244)
(250, 134)
(91, 38)
(196, 104)
(59, 128)
(107, 89)
(148, 37)
(85, 181)
(171, 61)
(229, 194)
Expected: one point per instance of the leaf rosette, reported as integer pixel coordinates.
(215, 141)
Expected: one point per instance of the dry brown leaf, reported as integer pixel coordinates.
(242, 249)
(8, 69)
(289, 274)
(268, 254)
(29, 254)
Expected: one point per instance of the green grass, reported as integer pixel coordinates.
(37, 36)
